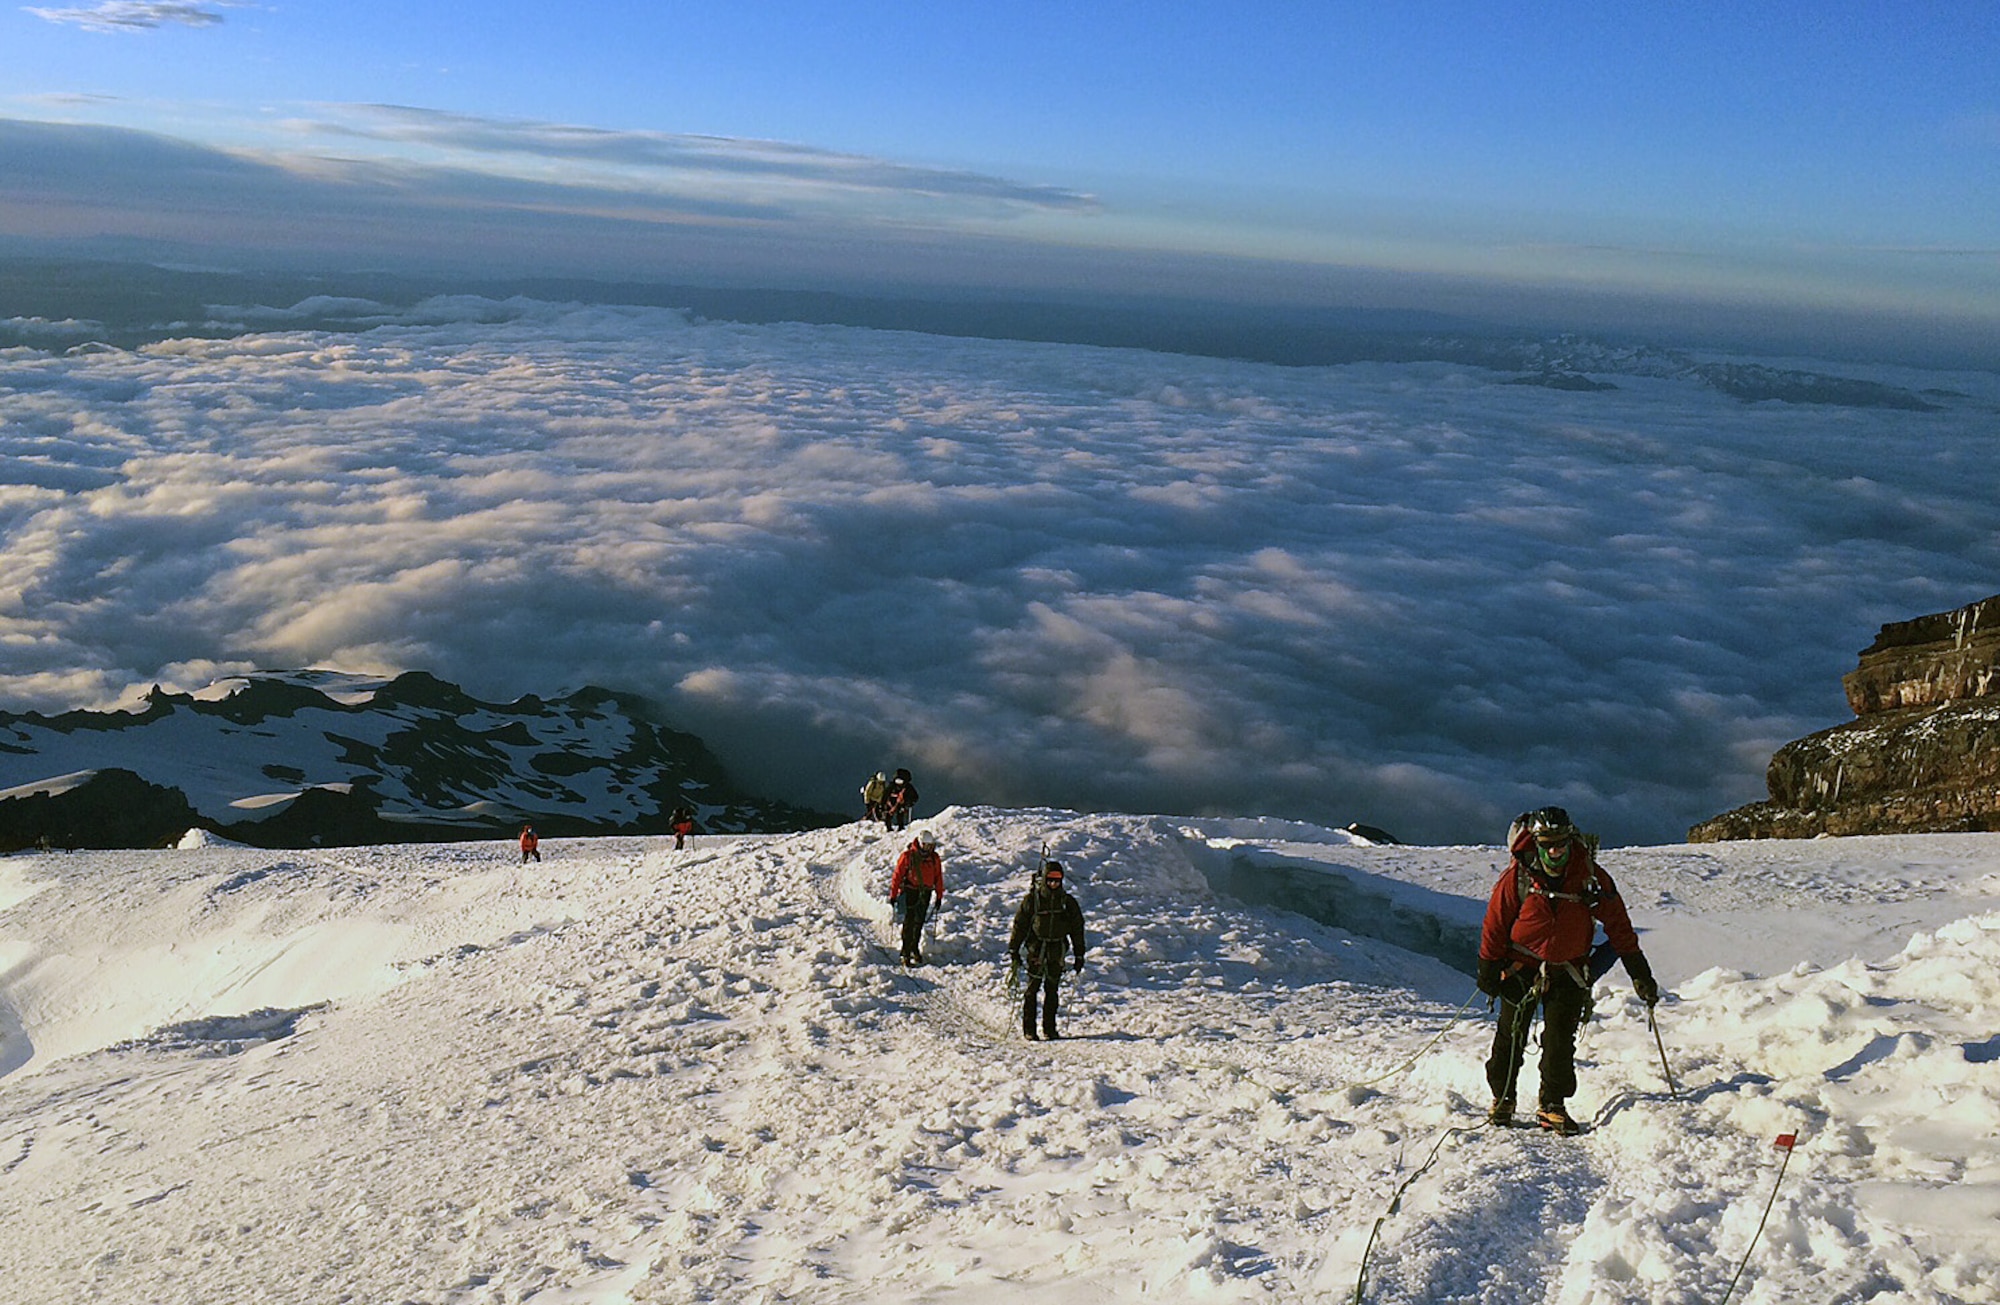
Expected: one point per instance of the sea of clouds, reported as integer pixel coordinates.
(1412, 595)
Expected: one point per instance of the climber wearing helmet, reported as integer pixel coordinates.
(919, 877)
(1535, 953)
(873, 794)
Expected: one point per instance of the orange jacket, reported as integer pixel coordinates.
(918, 867)
(528, 840)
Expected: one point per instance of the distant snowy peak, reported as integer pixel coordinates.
(342, 686)
(295, 758)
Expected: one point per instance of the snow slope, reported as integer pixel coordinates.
(428, 1074)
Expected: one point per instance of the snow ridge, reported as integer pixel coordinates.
(634, 1074)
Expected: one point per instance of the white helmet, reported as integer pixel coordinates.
(926, 839)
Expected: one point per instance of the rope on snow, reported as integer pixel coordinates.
(1785, 1142)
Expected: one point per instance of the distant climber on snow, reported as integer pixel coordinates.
(873, 794)
(899, 801)
(682, 823)
(530, 845)
(1048, 922)
(1535, 952)
(918, 879)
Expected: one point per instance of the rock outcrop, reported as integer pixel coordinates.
(1922, 754)
(306, 758)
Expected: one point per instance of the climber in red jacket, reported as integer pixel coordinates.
(1535, 952)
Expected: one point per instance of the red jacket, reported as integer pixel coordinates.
(919, 867)
(1524, 923)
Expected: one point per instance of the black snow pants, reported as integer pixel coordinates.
(916, 905)
(1044, 986)
(1562, 1003)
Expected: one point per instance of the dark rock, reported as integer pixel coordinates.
(1945, 657)
(112, 808)
(1922, 755)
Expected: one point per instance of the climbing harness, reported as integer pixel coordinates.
(1593, 889)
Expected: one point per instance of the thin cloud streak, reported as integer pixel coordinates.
(1407, 594)
(131, 15)
(298, 207)
(677, 154)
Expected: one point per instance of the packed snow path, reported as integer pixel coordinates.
(631, 1074)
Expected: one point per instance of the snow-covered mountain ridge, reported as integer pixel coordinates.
(629, 1074)
(298, 758)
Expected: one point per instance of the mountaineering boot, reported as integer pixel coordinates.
(1501, 1112)
(1050, 1035)
(1028, 1033)
(1556, 1120)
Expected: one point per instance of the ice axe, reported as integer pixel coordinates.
(1673, 1090)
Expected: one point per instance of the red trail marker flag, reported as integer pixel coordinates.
(1783, 1142)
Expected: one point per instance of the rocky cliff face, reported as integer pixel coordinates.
(1922, 754)
(303, 758)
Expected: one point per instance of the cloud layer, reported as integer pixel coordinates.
(1410, 595)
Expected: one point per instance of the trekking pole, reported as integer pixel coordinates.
(1785, 1142)
(1673, 1089)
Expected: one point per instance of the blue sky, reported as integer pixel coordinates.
(1835, 159)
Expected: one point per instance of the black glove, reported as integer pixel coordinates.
(1489, 977)
(1643, 982)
